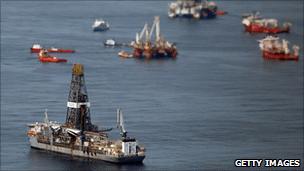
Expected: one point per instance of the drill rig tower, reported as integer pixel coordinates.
(78, 105)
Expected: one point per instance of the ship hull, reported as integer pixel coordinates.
(252, 28)
(51, 59)
(84, 154)
(279, 56)
(204, 14)
(37, 50)
(100, 28)
(208, 14)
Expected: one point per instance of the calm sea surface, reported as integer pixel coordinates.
(218, 101)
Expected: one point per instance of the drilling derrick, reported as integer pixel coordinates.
(78, 105)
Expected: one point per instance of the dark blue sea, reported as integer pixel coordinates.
(217, 102)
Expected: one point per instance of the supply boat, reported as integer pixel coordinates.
(100, 25)
(272, 48)
(37, 47)
(148, 49)
(43, 56)
(193, 9)
(253, 23)
(78, 137)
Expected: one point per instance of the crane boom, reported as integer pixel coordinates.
(152, 30)
(157, 31)
(120, 123)
(143, 31)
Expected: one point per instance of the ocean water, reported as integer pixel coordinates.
(217, 102)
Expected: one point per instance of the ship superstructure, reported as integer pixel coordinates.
(273, 48)
(192, 9)
(148, 48)
(78, 136)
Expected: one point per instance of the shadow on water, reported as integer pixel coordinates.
(45, 159)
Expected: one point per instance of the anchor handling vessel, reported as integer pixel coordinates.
(78, 136)
(148, 49)
(254, 23)
(273, 48)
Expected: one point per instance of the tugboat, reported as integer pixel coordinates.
(78, 136)
(100, 25)
(254, 23)
(43, 56)
(37, 47)
(272, 48)
(147, 48)
(193, 9)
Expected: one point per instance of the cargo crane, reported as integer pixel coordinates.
(120, 124)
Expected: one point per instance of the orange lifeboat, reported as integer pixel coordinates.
(44, 57)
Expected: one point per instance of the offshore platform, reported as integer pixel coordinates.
(78, 136)
(145, 47)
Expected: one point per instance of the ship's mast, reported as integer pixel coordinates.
(78, 105)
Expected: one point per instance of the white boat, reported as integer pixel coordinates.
(100, 25)
(110, 42)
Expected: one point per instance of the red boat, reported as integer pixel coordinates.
(253, 23)
(273, 48)
(280, 56)
(44, 57)
(256, 28)
(36, 49)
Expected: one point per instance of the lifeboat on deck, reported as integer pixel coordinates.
(253, 23)
(37, 47)
(44, 57)
(272, 48)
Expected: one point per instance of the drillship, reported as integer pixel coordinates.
(192, 9)
(78, 136)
